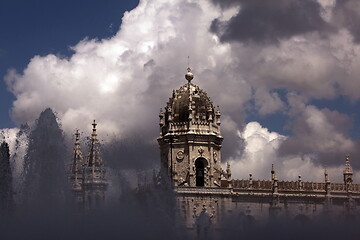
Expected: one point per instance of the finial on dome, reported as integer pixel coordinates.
(189, 75)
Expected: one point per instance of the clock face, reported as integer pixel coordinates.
(180, 155)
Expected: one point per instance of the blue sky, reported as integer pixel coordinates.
(40, 27)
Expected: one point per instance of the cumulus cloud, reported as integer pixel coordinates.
(124, 80)
(318, 131)
(261, 150)
(319, 63)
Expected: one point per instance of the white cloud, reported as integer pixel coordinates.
(261, 151)
(106, 79)
(315, 130)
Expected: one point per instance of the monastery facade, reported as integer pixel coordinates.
(190, 154)
(190, 144)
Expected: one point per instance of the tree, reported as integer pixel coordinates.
(44, 169)
(6, 190)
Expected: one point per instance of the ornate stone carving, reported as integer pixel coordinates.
(201, 151)
(180, 155)
(215, 156)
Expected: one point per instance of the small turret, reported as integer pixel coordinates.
(300, 183)
(272, 172)
(227, 175)
(274, 180)
(250, 181)
(218, 115)
(161, 117)
(228, 171)
(94, 184)
(210, 114)
(94, 158)
(77, 173)
(348, 173)
(275, 185)
(169, 114)
(327, 179)
(274, 204)
(327, 183)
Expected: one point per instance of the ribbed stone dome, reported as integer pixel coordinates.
(190, 99)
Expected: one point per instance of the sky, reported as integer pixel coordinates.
(40, 27)
(284, 73)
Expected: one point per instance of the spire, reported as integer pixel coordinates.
(218, 115)
(327, 179)
(348, 170)
(275, 185)
(274, 180)
(161, 116)
(272, 172)
(210, 113)
(300, 183)
(250, 181)
(94, 154)
(94, 124)
(228, 171)
(77, 152)
(77, 137)
(94, 183)
(77, 165)
(327, 184)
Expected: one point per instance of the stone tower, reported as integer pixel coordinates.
(77, 170)
(88, 177)
(94, 183)
(190, 138)
(348, 175)
(347, 171)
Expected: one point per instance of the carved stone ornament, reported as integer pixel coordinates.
(215, 157)
(201, 151)
(180, 155)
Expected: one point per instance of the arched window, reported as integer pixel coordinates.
(200, 166)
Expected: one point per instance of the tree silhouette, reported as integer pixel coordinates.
(6, 190)
(44, 169)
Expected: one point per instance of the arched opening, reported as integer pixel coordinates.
(200, 166)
